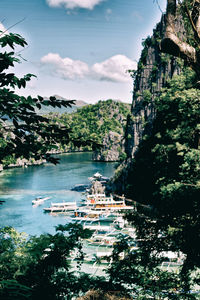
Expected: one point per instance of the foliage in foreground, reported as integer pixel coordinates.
(23, 132)
(165, 175)
(39, 267)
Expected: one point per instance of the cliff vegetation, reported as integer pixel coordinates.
(161, 174)
(103, 123)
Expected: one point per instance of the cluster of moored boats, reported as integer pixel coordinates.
(94, 207)
(98, 212)
(102, 214)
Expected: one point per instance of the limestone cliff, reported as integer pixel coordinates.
(154, 69)
(113, 148)
(114, 115)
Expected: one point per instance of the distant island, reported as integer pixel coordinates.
(48, 109)
(103, 122)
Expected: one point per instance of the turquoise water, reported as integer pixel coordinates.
(19, 186)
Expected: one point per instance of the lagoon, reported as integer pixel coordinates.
(19, 186)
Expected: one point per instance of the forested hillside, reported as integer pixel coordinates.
(103, 123)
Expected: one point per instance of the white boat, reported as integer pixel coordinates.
(85, 215)
(39, 200)
(102, 203)
(108, 237)
(61, 207)
(102, 240)
(172, 260)
(96, 176)
(96, 226)
(96, 196)
(59, 204)
(101, 257)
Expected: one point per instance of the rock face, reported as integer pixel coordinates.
(23, 162)
(154, 69)
(113, 148)
(113, 142)
(97, 188)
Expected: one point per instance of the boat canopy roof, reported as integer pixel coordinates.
(63, 203)
(97, 174)
(96, 195)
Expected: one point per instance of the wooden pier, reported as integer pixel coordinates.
(132, 202)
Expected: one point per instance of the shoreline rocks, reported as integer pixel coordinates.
(23, 163)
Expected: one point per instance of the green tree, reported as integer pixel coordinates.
(40, 267)
(23, 132)
(165, 176)
(164, 173)
(184, 43)
(93, 122)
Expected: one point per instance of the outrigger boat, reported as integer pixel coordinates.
(109, 237)
(39, 200)
(96, 226)
(102, 240)
(100, 257)
(61, 207)
(102, 208)
(101, 203)
(85, 215)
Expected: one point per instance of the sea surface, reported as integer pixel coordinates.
(19, 186)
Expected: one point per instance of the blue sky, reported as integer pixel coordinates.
(80, 49)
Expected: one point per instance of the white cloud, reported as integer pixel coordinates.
(65, 68)
(113, 69)
(71, 4)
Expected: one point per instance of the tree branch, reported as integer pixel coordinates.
(20, 21)
(196, 16)
(194, 19)
(171, 43)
